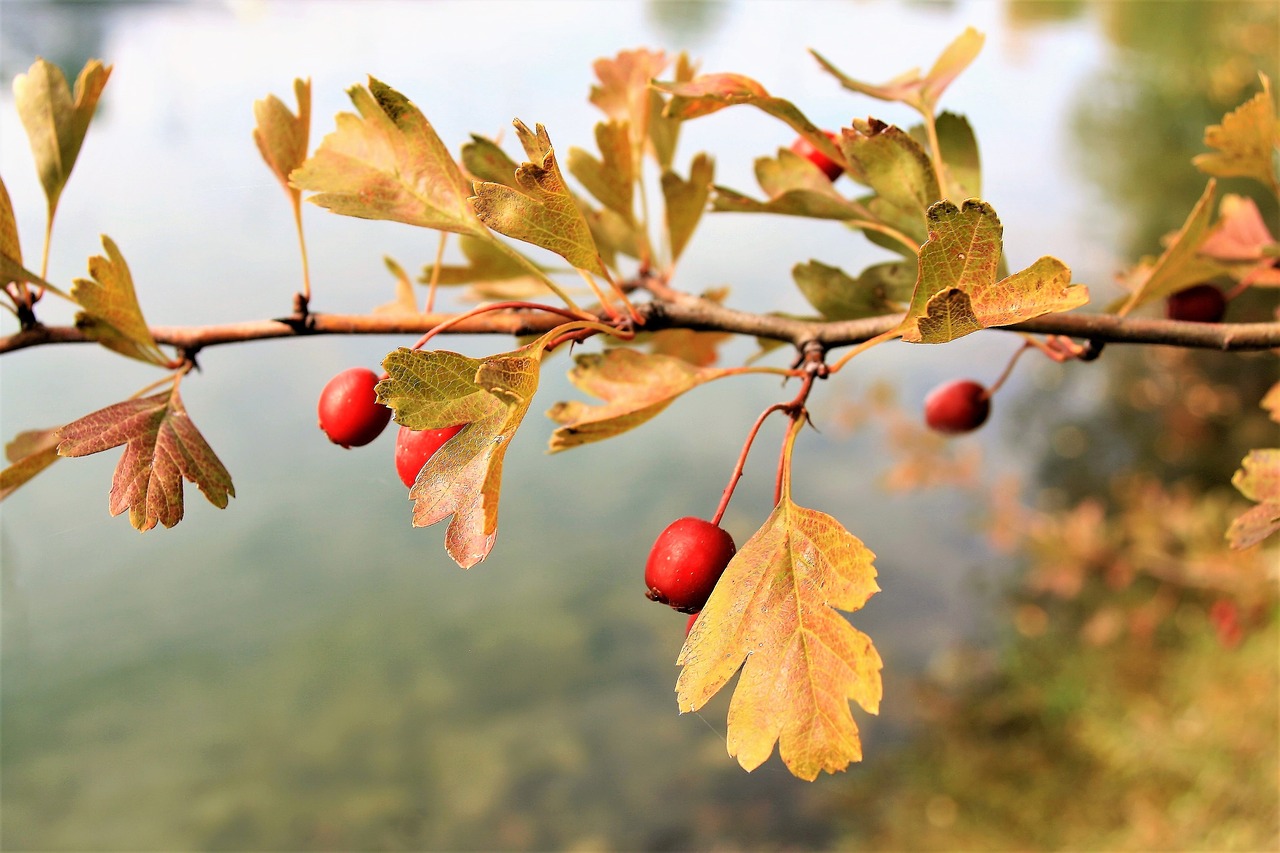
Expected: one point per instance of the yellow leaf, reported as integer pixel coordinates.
(1258, 480)
(281, 136)
(29, 453)
(56, 121)
(1247, 141)
(111, 314)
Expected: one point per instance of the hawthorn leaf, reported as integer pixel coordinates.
(838, 296)
(664, 130)
(539, 209)
(1242, 241)
(898, 169)
(961, 163)
(611, 178)
(29, 453)
(388, 163)
(709, 93)
(111, 314)
(920, 92)
(686, 201)
(957, 291)
(485, 160)
(436, 389)
(774, 615)
(1258, 480)
(634, 386)
(10, 246)
(162, 447)
(1180, 264)
(1248, 141)
(406, 302)
(624, 93)
(56, 119)
(283, 137)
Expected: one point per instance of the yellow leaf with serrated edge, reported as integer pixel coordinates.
(774, 615)
(1248, 141)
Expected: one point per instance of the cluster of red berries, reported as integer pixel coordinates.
(351, 416)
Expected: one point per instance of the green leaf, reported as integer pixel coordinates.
(485, 160)
(1248, 141)
(686, 201)
(111, 314)
(540, 210)
(1258, 480)
(29, 453)
(634, 386)
(611, 178)
(432, 390)
(162, 446)
(282, 137)
(838, 296)
(920, 92)
(898, 169)
(1180, 264)
(774, 615)
(962, 165)
(56, 121)
(388, 163)
(956, 288)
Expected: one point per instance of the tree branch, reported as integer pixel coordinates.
(682, 312)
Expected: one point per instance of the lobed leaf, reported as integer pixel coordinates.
(686, 201)
(919, 92)
(283, 137)
(29, 453)
(539, 209)
(774, 615)
(432, 390)
(1248, 142)
(624, 95)
(634, 386)
(897, 168)
(1180, 264)
(956, 289)
(1258, 480)
(838, 296)
(388, 163)
(56, 120)
(162, 447)
(111, 314)
(610, 179)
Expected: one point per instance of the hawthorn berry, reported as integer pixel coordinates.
(955, 407)
(806, 149)
(685, 562)
(350, 413)
(1200, 303)
(688, 626)
(415, 446)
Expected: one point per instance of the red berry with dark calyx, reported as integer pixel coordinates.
(1200, 303)
(685, 562)
(956, 407)
(349, 411)
(415, 446)
(806, 149)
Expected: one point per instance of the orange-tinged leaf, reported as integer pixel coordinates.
(919, 92)
(540, 209)
(1258, 480)
(162, 446)
(1271, 402)
(634, 386)
(709, 93)
(56, 120)
(29, 453)
(624, 95)
(956, 288)
(111, 314)
(1242, 241)
(774, 615)
(1248, 141)
(436, 389)
(388, 163)
(1180, 264)
(281, 136)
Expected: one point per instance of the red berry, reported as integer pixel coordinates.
(1200, 303)
(685, 562)
(806, 149)
(350, 413)
(960, 406)
(415, 446)
(688, 626)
